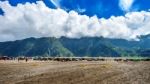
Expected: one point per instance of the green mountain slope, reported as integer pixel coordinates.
(34, 47)
(87, 46)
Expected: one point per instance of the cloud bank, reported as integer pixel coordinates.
(37, 20)
(125, 5)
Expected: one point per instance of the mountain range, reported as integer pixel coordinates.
(85, 46)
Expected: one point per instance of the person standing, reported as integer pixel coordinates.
(26, 59)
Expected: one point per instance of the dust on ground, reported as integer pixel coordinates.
(78, 72)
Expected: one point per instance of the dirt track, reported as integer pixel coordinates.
(81, 72)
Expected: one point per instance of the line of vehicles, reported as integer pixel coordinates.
(63, 59)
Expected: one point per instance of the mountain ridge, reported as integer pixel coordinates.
(85, 46)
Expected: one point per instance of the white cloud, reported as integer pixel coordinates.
(125, 5)
(56, 3)
(37, 20)
(80, 10)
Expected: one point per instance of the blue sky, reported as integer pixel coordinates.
(100, 8)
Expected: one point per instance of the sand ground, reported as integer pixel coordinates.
(79, 72)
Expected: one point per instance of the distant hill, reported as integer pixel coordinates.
(34, 47)
(87, 46)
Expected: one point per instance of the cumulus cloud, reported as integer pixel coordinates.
(125, 5)
(37, 20)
